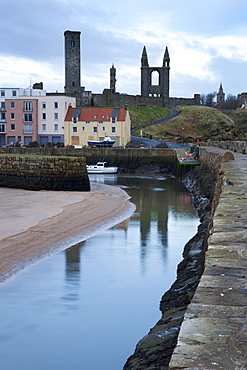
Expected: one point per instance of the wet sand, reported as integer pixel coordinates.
(34, 225)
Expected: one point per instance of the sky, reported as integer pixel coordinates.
(206, 40)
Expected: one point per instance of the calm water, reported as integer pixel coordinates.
(87, 307)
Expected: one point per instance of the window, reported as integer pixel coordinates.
(100, 122)
(12, 127)
(103, 128)
(13, 92)
(83, 128)
(28, 106)
(56, 127)
(55, 116)
(12, 115)
(73, 43)
(74, 129)
(44, 127)
(43, 105)
(95, 130)
(56, 105)
(2, 93)
(74, 120)
(2, 116)
(12, 105)
(3, 104)
(113, 130)
(28, 117)
(44, 116)
(95, 117)
(28, 128)
(87, 122)
(113, 120)
(2, 128)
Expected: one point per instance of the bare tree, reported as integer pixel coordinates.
(231, 102)
(210, 99)
(203, 99)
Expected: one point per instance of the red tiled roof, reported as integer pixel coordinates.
(95, 114)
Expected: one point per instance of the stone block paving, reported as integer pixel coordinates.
(214, 332)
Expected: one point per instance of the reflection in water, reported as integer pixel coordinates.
(87, 307)
(72, 277)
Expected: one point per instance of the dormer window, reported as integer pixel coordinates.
(74, 119)
(95, 117)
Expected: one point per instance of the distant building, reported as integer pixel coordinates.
(242, 100)
(94, 123)
(30, 115)
(155, 81)
(158, 87)
(220, 95)
(73, 69)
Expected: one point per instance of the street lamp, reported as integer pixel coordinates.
(182, 135)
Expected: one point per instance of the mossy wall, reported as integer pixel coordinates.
(44, 173)
(128, 160)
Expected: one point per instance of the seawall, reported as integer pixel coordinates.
(33, 172)
(213, 334)
(128, 160)
(192, 313)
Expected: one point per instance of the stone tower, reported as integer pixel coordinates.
(73, 69)
(220, 95)
(113, 79)
(72, 60)
(148, 87)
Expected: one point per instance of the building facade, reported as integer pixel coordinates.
(52, 110)
(94, 123)
(28, 115)
(6, 122)
(21, 120)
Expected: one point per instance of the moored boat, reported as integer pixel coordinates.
(101, 167)
(107, 142)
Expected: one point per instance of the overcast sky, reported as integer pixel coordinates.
(207, 43)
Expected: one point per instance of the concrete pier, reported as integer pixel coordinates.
(213, 334)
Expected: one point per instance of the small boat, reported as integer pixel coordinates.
(100, 167)
(107, 142)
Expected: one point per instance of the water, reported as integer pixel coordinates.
(87, 307)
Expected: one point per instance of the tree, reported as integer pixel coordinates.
(231, 102)
(210, 99)
(203, 99)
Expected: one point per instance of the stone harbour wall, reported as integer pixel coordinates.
(203, 323)
(235, 146)
(44, 173)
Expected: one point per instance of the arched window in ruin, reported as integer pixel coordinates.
(155, 78)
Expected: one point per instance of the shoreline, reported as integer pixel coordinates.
(35, 225)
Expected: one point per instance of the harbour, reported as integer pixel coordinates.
(87, 307)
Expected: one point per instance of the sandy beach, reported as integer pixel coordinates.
(34, 225)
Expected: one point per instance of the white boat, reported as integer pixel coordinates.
(101, 167)
(107, 142)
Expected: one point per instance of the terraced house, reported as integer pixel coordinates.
(94, 123)
(32, 115)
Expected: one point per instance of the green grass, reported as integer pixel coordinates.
(194, 122)
(142, 116)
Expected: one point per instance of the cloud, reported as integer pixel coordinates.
(207, 43)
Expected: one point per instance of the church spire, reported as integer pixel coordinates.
(144, 59)
(166, 60)
(220, 94)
